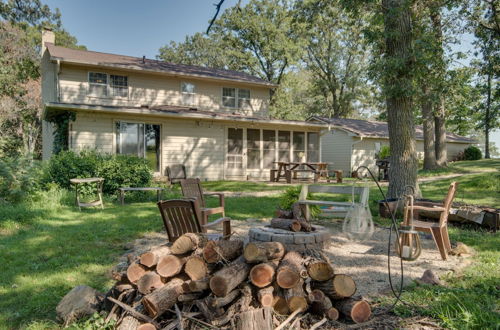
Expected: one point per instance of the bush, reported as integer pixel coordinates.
(385, 152)
(291, 195)
(472, 153)
(19, 176)
(117, 170)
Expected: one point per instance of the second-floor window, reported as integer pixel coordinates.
(118, 85)
(188, 93)
(102, 85)
(235, 97)
(98, 84)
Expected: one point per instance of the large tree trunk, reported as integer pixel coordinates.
(428, 130)
(439, 111)
(397, 88)
(487, 119)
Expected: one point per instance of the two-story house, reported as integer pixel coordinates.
(215, 122)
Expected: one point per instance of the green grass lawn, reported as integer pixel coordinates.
(464, 167)
(47, 247)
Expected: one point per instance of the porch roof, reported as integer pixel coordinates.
(172, 111)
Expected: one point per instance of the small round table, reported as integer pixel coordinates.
(98, 201)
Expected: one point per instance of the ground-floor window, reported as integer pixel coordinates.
(141, 140)
(235, 148)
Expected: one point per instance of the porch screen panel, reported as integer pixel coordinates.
(152, 138)
(312, 147)
(284, 146)
(235, 148)
(299, 146)
(269, 139)
(253, 148)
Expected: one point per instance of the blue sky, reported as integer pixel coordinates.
(138, 28)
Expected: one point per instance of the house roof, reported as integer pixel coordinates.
(379, 129)
(86, 57)
(173, 111)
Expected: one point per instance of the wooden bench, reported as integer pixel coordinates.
(338, 209)
(124, 189)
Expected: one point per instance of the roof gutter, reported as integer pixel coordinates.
(172, 114)
(163, 72)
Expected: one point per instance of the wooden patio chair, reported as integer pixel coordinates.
(182, 216)
(191, 188)
(176, 172)
(438, 230)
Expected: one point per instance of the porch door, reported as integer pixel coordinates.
(235, 166)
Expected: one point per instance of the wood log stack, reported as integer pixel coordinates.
(198, 283)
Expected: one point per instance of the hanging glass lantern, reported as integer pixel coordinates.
(358, 223)
(408, 245)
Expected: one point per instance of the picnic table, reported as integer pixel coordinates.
(98, 201)
(286, 169)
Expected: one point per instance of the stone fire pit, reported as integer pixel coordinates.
(319, 238)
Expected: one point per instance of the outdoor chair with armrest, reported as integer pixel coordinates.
(191, 188)
(182, 216)
(438, 230)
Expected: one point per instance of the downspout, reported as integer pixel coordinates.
(58, 89)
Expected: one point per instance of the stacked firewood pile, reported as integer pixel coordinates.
(196, 282)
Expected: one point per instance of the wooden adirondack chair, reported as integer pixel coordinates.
(191, 188)
(438, 230)
(182, 216)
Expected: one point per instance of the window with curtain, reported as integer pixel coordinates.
(299, 146)
(253, 148)
(312, 147)
(98, 84)
(188, 93)
(283, 146)
(269, 141)
(141, 140)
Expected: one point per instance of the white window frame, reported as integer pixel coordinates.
(108, 86)
(89, 93)
(118, 121)
(188, 95)
(236, 97)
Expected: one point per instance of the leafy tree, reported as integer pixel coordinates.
(20, 100)
(262, 37)
(337, 55)
(198, 49)
(293, 99)
(484, 23)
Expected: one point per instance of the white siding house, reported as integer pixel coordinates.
(350, 143)
(215, 122)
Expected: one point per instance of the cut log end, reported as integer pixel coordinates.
(149, 282)
(360, 312)
(296, 303)
(261, 275)
(135, 272)
(344, 285)
(332, 314)
(218, 285)
(196, 268)
(320, 271)
(169, 266)
(280, 306)
(287, 278)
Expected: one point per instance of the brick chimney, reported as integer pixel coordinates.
(47, 36)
